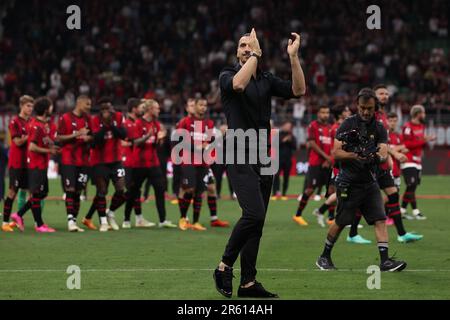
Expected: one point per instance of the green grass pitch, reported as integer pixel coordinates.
(171, 264)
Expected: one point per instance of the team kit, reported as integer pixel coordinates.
(106, 148)
(121, 149)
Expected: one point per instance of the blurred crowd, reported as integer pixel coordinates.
(171, 50)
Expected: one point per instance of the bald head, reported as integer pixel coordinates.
(83, 104)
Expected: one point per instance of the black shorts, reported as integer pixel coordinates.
(398, 182)
(332, 181)
(113, 171)
(365, 197)
(412, 176)
(129, 178)
(209, 179)
(89, 172)
(385, 179)
(317, 176)
(18, 178)
(153, 174)
(74, 177)
(195, 177)
(38, 181)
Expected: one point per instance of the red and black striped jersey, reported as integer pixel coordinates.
(145, 155)
(197, 129)
(39, 134)
(110, 150)
(18, 127)
(76, 151)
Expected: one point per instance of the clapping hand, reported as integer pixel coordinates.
(293, 46)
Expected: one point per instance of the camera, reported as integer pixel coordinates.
(354, 141)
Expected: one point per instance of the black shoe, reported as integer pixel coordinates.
(325, 263)
(392, 265)
(255, 291)
(224, 281)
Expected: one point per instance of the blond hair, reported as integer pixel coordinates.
(25, 99)
(148, 103)
(416, 109)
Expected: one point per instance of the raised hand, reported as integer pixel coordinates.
(254, 43)
(293, 46)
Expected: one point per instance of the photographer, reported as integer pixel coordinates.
(360, 145)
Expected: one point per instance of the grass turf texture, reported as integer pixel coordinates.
(171, 264)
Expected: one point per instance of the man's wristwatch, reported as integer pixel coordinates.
(254, 54)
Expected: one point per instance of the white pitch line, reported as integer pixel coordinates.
(203, 270)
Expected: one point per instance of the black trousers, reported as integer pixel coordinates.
(218, 171)
(176, 180)
(285, 166)
(253, 194)
(156, 180)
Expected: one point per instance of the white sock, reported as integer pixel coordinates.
(402, 210)
(110, 213)
(139, 218)
(214, 218)
(416, 212)
(103, 220)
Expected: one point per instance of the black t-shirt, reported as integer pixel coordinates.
(251, 109)
(355, 171)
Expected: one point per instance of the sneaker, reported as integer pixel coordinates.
(44, 229)
(325, 263)
(18, 221)
(320, 218)
(420, 216)
(112, 221)
(389, 221)
(220, 223)
(104, 228)
(83, 197)
(89, 224)
(317, 197)
(274, 198)
(392, 265)
(72, 227)
(174, 201)
(126, 225)
(358, 239)
(184, 224)
(198, 227)
(284, 198)
(224, 281)
(6, 227)
(409, 237)
(255, 291)
(300, 221)
(142, 223)
(167, 224)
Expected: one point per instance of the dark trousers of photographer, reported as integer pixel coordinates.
(366, 197)
(253, 193)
